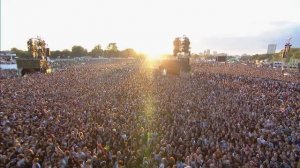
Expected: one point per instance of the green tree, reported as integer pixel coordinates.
(20, 53)
(112, 47)
(129, 52)
(296, 55)
(112, 50)
(78, 51)
(96, 51)
(277, 57)
(56, 53)
(66, 53)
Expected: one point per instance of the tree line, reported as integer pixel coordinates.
(78, 51)
(293, 54)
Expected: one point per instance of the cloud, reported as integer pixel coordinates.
(293, 32)
(256, 43)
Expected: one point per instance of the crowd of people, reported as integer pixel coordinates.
(122, 113)
(250, 69)
(7, 73)
(55, 64)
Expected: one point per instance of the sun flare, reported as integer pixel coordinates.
(153, 56)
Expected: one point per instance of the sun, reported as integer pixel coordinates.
(153, 56)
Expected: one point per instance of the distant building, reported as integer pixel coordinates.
(271, 49)
(215, 53)
(208, 52)
(222, 54)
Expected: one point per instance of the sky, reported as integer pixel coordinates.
(150, 26)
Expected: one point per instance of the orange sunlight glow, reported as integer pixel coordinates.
(153, 56)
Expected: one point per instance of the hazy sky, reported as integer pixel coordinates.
(231, 26)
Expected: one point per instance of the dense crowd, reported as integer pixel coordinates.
(55, 64)
(125, 114)
(242, 69)
(8, 73)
